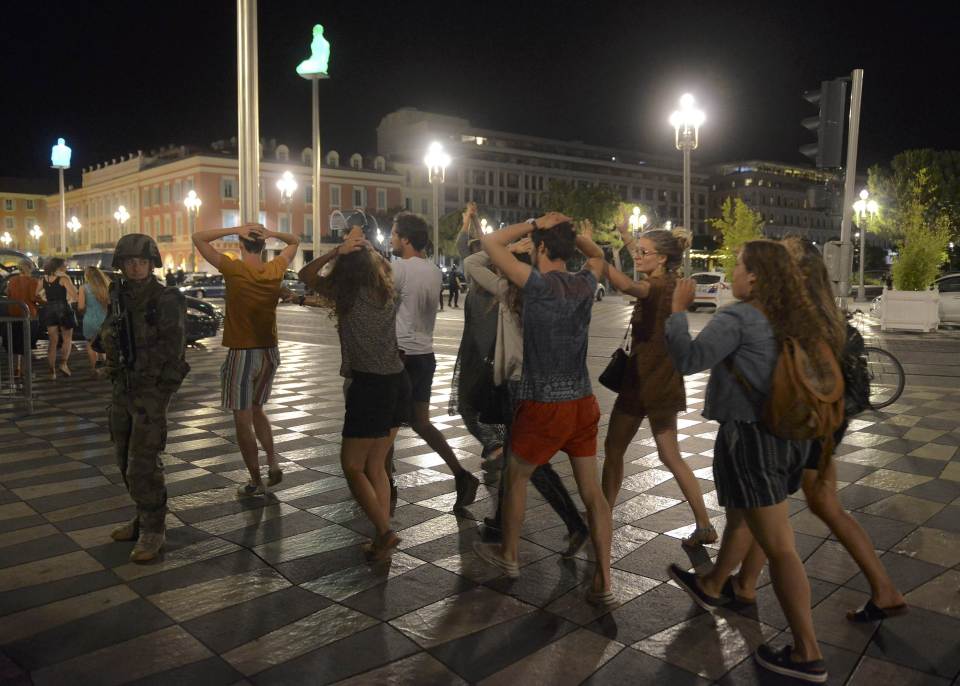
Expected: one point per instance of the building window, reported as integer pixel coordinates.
(166, 194)
(177, 192)
(9, 204)
(334, 196)
(156, 226)
(228, 188)
(167, 224)
(424, 206)
(356, 161)
(155, 196)
(284, 223)
(230, 219)
(179, 224)
(29, 223)
(9, 223)
(283, 153)
(333, 159)
(308, 227)
(381, 199)
(308, 194)
(407, 203)
(380, 164)
(359, 197)
(31, 204)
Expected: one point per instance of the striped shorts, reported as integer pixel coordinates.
(753, 468)
(246, 377)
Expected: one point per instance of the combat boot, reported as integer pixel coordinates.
(127, 532)
(148, 547)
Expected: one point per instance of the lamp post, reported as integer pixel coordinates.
(6, 239)
(864, 209)
(686, 124)
(485, 227)
(192, 202)
(37, 234)
(74, 225)
(287, 185)
(637, 222)
(437, 162)
(60, 160)
(313, 69)
(121, 215)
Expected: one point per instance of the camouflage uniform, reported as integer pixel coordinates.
(146, 364)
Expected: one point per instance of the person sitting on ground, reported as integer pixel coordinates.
(250, 333)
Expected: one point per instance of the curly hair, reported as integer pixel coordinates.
(351, 274)
(781, 294)
(814, 273)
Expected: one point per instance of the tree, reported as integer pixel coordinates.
(450, 225)
(894, 189)
(923, 246)
(737, 224)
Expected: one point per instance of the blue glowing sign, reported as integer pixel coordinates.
(60, 155)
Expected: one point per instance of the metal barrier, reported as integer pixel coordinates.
(27, 369)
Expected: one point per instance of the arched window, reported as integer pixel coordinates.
(333, 159)
(356, 161)
(306, 156)
(379, 163)
(283, 153)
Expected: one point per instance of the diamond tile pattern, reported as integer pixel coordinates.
(277, 590)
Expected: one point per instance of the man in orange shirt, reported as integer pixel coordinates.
(250, 332)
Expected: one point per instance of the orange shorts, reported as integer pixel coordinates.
(541, 430)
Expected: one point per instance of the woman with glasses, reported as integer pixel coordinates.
(652, 387)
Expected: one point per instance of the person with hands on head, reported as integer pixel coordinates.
(557, 409)
(356, 284)
(250, 333)
(754, 470)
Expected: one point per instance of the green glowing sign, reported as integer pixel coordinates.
(316, 65)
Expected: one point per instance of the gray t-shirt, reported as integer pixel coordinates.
(368, 336)
(556, 322)
(418, 282)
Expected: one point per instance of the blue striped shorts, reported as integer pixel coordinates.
(246, 377)
(753, 468)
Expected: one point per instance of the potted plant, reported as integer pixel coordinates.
(911, 304)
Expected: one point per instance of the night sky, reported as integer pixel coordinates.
(113, 77)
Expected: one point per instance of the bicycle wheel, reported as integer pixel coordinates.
(886, 377)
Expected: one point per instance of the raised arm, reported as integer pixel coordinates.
(718, 339)
(292, 241)
(595, 260)
(310, 271)
(495, 245)
(203, 238)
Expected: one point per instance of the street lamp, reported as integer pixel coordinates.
(121, 215)
(60, 160)
(6, 239)
(314, 68)
(192, 202)
(686, 124)
(864, 209)
(36, 233)
(74, 225)
(437, 162)
(287, 185)
(637, 222)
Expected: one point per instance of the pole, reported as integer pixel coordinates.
(63, 216)
(862, 291)
(436, 220)
(316, 167)
(248, 112)
(850, 180)
(192, 214)
(686, 205)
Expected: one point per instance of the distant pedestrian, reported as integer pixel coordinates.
(453, 286)
(652, 387)
(181, 277)
(170, 278)
(23, 288)
(58, 293)
(93, 304)
(359, 291)
(250, 333)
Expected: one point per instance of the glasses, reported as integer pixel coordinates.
(644, 253)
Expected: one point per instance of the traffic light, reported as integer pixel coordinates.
(827, 152)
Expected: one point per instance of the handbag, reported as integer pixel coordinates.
(612, 376)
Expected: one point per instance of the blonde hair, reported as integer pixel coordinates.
(671, 243)
(99, 284)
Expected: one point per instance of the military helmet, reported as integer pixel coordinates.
(136, 245)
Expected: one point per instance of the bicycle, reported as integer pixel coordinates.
(886, 374)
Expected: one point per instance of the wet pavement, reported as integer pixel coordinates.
(276, 590)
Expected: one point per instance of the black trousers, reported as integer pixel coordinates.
(454, 298)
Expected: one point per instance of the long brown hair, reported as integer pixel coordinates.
(98, 283)
(671, 243)
(352, 273)
(817, 281)
(780, 293)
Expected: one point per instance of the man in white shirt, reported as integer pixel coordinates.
(419, 284)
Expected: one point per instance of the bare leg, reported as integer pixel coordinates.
(355, 454)
(92, 355)
(733, 548)
(771, 527)
(429, 433)
(623, 427)
(598, 517)
(665, 434)
(824, 502)
(67, 346)
(243, 423)
(376, 472)
(514, 502)
(261, 425)
(53, 338)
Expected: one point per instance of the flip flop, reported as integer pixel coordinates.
(870, 612)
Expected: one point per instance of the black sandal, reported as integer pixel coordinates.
(870, 612)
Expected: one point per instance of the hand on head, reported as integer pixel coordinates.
(586, 228)
(521, 247)
(353, 242)
(552, 219)
(252, 232)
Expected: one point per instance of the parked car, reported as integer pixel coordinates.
(709, 287)
(205, 287)
(293, 283)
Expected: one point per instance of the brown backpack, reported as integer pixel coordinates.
(805, 400)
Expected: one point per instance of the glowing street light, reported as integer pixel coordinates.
(637, 222)
(6, 239)
(865, 210)
(313, 69)
(37, 234)
(60, 160)
(437, 161)
(121, 215)
(287, 185)
(485, 226)
(74, 225)
(686, 123)
(192, 202)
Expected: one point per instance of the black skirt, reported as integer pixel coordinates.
(59, 313)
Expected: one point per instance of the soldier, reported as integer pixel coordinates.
(143, 337)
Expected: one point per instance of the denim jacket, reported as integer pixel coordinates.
(739, 332)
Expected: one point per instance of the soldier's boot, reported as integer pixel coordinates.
(127, 532)
(148, 547)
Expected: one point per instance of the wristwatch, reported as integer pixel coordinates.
(533, 222)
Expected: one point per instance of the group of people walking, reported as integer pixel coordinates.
(522, 386)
